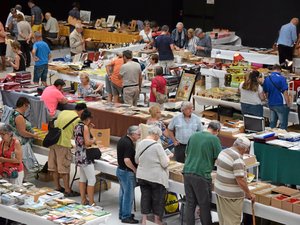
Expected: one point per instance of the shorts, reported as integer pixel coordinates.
(37, 28)
(40, 72)
(116, 90)
(87, 174)
(2, 49)
(59, 159)
(152, 198)
(108, 85)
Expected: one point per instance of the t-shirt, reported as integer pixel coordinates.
(229, 166)
(146, 37)
(250, 97)
(24, 28)
(125, 149)
(52, 25)
(115, 77)
(51, 96)
(42, 52)
(130, 72)
(160, 83)
(271, 85)
(162, 43)
(37, 13)
(66, 135)
(202, 150)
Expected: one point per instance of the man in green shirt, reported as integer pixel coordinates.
(60, 156)
(202, 150)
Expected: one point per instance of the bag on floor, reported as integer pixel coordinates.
(171, 203)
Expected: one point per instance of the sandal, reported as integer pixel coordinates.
(62, 190)
(71, 194)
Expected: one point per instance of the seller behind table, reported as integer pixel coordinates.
(53, 95)
(77, 42)
(203, 45)
(87, 87)
(182, 127)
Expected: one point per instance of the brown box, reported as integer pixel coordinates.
(249, 159)
(104, 186)
(286, 191)
(264, 196)
(210, 115)
(45, 177)
(296, 207)
(40, 192)
(288, 203)
(224, 119)
(277, 200)
(257, 186)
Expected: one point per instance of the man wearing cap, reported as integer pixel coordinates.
(41, 54)
(203, 45)
(231, 184)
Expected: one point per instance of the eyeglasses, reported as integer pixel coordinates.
(2, 134)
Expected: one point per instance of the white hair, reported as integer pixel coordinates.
(78, 26)
(185, 105)
(179, 24)
(198, 31)
(154, 130)
(242, 142)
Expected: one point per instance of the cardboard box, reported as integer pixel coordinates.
(257, 186)
(286, 191)
(277, 200)
(288, 203)
(264, 196)
(227, 131)
(210, 115)
(296, 207)
(40, 192)
(176, 176)
(249, 159)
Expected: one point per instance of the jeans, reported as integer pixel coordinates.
(198, 192)
(279, 112)
(126, 194)
(254, 110)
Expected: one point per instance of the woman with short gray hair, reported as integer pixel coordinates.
(153, 174)
(11, 165)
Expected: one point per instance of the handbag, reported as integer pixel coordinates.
(54, 134)
(92, 154)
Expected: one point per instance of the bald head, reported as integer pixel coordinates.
(295, 21)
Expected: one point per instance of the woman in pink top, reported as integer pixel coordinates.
(2, 47)
(158, 84)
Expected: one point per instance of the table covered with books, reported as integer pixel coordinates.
(31, 205)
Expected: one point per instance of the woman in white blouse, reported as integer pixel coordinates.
(192, 40)
(152, 174)
(146, 33)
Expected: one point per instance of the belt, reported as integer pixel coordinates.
(133, 85)
(126, 169)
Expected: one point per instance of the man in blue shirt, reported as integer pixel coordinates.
(286, 40)
(275, 86)
(165, 46)
(41, 54)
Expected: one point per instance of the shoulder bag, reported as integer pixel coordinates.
(54, 134)
(161, 98)
(147, 148)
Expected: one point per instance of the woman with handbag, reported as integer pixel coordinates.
(11, 165)
(83, 141)
(158, 89)
(152, 173)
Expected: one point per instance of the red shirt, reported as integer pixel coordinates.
(8, 155)
(160, 83)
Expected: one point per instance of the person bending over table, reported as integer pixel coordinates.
(83, 140)
(11, 155)
(182, 127)
(53, 96)
(152, 174)
(22, 129)
(19, 64)
(87, 86)
(252, 95)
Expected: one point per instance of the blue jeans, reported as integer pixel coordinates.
(40, 72)
(279, 112)
(254, 110)
(126, 194)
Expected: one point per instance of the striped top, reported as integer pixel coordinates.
(229, 166)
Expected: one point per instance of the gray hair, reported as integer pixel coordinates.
(37, 34)
(6, 128)
(242, 142)
(179, 24)
(155, 130)
(185, 105)
(198, 31)
(78, 26)
(159, 70)
(214, 125)
(132, 130)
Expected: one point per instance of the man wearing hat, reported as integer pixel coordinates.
(231, 184)
(203, 45)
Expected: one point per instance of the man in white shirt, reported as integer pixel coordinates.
(19, 9)
(51, 29)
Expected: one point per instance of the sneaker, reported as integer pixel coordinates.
(130, 220)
